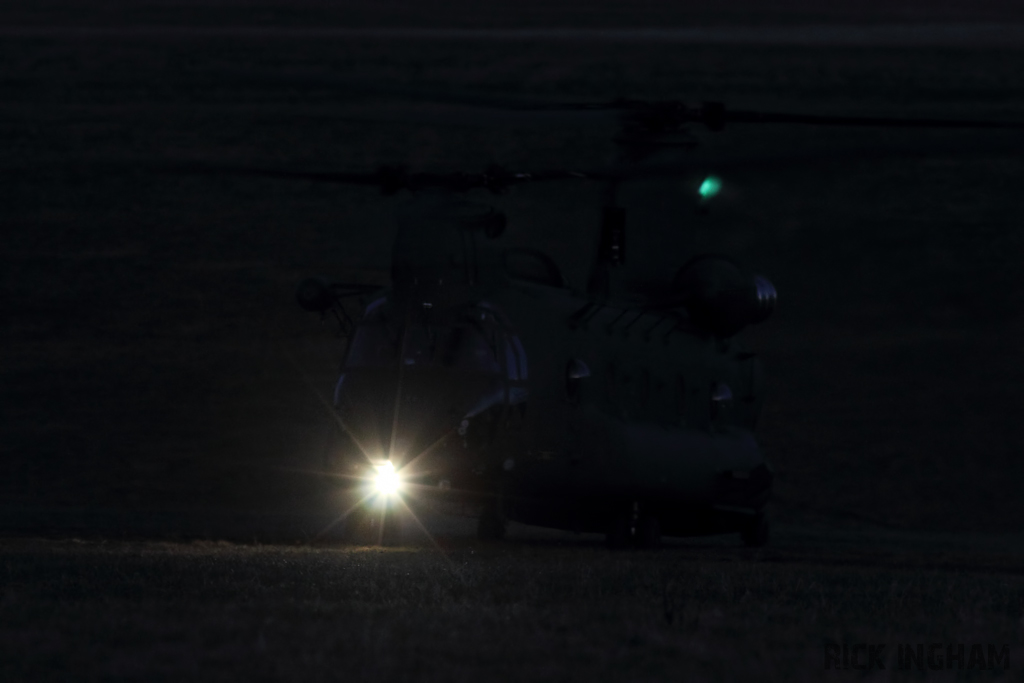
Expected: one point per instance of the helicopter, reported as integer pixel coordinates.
(482, 381)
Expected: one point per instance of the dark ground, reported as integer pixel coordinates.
(524, 610)
(157, 381)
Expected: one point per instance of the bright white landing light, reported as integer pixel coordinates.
(386, 481)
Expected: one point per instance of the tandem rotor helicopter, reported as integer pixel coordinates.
(481, 379)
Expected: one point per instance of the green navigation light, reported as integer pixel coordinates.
(711, 186)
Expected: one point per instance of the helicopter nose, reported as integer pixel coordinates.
(399, 418)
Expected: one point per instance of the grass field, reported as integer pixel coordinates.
(519, 611)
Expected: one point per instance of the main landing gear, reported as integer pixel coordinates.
(755, 533)
(491, 525)
(637, 528)
(372, 525)
(634, 529)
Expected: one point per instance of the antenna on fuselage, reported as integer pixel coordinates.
(611, 252)
(611, 245)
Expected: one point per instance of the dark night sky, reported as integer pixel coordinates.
(153, 360)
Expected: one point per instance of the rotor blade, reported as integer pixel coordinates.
(198, 168)
(666, 115)
(742, 116)
(354, 91)
(713, 114)
(391, 179)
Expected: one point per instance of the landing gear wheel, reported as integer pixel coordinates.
(356, 528)
(372, 527)
(338, 447)
(391, 533)
(647, 534)
(755, 532)
(620, 532)
(491, 525)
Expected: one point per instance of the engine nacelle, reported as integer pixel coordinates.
(720, 297)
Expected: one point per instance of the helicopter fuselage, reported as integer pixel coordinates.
(555, 410)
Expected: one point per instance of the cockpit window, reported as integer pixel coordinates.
(524, 372)
(463, 347)
(374, 305)
(373, 345)
(466, 348)
(511, 363)
(473, 344)
(419, 345)
(515, 358)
